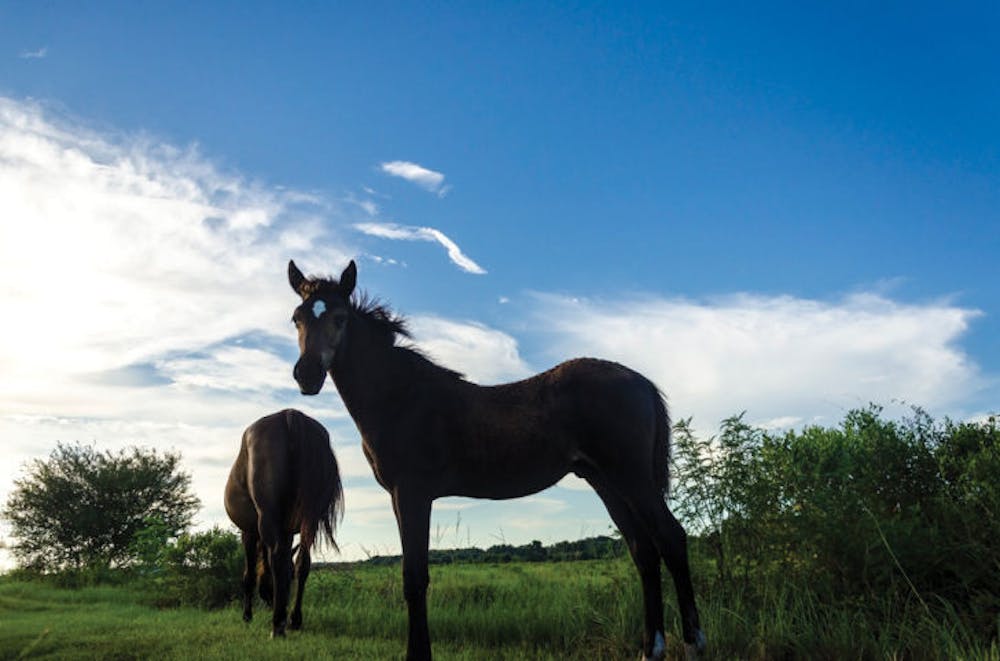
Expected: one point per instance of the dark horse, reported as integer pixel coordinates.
(428, 433)
(285, 481)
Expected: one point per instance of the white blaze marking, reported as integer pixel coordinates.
(319, 307)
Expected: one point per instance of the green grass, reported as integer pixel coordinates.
(571, 610)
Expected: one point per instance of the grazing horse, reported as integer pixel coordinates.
(285, 481)
(429, 433)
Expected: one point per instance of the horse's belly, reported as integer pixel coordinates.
(500, 482)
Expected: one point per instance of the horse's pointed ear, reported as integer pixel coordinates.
(295, 278)
(348, 279)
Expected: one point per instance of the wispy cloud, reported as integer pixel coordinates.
(165, 254)
(34, 54)
(409, 233)
(135, 268)
(369, 206)
(417, 174)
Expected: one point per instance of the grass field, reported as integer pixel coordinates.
(569, 610)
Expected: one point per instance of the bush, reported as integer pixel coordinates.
(874, 509)
(81, 508)
(200, 569)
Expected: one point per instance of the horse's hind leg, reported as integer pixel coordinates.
(647, 562)
(266, 579)
(279, 550)
(302, 564)
(250, 546)
(671, 541)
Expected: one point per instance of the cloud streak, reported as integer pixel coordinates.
(409, 233)
(34, 54)
(427, 179)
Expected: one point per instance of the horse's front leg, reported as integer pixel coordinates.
(413, 516)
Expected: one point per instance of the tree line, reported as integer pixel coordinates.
(600, 547)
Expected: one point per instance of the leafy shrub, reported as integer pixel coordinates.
(903, 510)
(80, 508)
(200, 569)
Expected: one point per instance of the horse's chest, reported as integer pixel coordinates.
(382, 465)
(397, 459)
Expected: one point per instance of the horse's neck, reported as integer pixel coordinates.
(368, 377)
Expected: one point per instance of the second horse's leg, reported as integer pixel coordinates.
(250, 545)
(302, 564)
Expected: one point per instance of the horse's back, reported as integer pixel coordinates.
(517, 438)
(590, 396)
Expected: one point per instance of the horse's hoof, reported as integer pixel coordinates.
(277, 633)
(247, 617)
(295, 625)
(692, 650)
(659, 648)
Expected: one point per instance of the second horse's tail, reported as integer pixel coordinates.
(320, 493)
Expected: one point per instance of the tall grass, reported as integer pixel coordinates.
(575, 610)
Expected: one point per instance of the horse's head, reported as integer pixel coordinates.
(321, 321)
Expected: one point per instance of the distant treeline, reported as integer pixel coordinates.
(592, 548)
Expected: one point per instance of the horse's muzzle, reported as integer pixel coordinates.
(310, 375)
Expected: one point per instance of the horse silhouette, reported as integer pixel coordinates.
(285, 481)
(428, 433)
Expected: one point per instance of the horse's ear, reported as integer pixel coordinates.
(348, 279)
(295, 278)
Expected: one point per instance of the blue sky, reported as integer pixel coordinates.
(779, 209)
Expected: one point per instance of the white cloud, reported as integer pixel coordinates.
(365, 204)
(114, 253)
(482, 354)
(417, 174)
(34, 54)
(408, 233)
(785, 360)
(227, 368)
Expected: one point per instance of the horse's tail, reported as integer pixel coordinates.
(661, 445)
(319, 494)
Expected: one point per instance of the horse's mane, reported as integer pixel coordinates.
(392, 326)
(380, 316)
